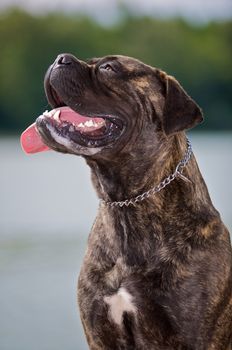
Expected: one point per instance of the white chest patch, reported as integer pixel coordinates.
(118, 304)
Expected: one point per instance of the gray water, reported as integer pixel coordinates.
(47, 206)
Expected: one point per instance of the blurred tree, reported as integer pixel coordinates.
(199, 57)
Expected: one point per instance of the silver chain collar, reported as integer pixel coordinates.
(177, 173)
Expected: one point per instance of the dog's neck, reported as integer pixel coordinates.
(141, 225)
(128, 177)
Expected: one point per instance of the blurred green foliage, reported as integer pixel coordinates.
(198, 56)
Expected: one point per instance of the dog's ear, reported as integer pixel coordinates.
(180, 111)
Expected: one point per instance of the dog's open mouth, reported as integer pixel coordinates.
(88, 131)
(63, 125)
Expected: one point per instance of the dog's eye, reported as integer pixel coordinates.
(107, 67)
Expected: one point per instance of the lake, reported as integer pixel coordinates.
(47, 206)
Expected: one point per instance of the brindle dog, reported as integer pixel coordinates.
(157, 274)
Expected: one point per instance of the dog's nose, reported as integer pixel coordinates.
(64, 59)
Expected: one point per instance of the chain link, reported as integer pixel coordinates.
(165, 182)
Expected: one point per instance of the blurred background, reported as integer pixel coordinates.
(47, 203)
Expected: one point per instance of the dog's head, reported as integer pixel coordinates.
(123, 100)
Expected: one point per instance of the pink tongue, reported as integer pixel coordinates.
(31, 141)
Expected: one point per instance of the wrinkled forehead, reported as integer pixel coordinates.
(128, 63)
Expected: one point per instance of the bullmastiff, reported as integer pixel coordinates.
(157, 272)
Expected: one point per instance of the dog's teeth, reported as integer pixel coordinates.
(89, 123)
(50, 113)
(56, 115)
(46, 113)
(71, 128)
(81, 125)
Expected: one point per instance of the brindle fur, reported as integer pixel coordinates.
(171, 252)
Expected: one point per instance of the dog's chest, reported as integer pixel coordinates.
(114, 277)
(117, 283)
(121, 301)
(120, 292)
(118, 304)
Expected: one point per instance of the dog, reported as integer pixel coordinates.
(157, 274)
